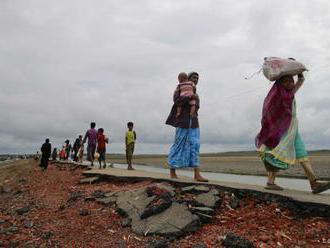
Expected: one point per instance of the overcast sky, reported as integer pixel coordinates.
(66, 63)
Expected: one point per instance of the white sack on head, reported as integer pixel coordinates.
(275, 68)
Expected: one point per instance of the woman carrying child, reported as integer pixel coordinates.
(279, 142)
(185, 150)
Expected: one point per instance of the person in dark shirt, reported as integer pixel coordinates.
(75, 148)
(46, 151)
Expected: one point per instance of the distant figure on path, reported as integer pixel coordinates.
(46, 151)
(76, 146)
(81, 153)
(91, 135)
(54, 154)
(185, 150)
(101, 146)
(36, 156)
(130, 138)
(67, 147)
(62, 153)
(279, 142)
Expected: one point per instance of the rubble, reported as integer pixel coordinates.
(197, 216)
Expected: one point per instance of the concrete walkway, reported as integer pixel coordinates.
(301, 196)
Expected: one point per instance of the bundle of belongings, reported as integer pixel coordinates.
(275, 68)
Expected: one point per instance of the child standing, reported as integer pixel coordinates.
(130, 138)
(101, 145)
(188, 89)
(62, 153)
(67, 149)
(54, 154)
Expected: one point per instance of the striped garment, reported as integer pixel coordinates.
(187, 89)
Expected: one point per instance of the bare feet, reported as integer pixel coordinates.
(198, 176)
(173, 174)
(318, 187)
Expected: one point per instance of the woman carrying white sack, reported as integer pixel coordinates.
(279, 142)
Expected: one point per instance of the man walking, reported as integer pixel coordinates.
(91, 135)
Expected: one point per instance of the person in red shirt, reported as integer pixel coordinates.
(101, 145)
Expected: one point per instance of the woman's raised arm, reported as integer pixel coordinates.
(299, 83)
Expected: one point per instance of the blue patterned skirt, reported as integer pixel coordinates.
(185, 150)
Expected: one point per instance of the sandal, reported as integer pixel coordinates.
(320, 187)
(201, 179)
(273, 186)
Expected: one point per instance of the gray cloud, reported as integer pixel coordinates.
(66, 63)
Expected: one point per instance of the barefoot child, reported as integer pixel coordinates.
(187, 89)
(279, 142)
(101, 145)
(130, 138)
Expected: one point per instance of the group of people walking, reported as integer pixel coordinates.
(74, 152)
(279, 142)
(96, 147)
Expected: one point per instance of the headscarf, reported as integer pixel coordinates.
(276, 116)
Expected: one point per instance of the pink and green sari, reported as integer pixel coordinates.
(279, 142)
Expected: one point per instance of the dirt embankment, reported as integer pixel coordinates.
(50, 209)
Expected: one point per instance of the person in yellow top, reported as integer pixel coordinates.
(130, 138)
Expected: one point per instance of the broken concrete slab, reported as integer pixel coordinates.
(204, 210)
(107, 200)
(210, 199)
(133, 202)
(233, 240)
(153, 209)
(196, 189)
(89, 180)
(167, 187)
(176, 220)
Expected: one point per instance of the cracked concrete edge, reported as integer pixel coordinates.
(298, 201)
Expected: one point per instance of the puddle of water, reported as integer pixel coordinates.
(290, 183)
